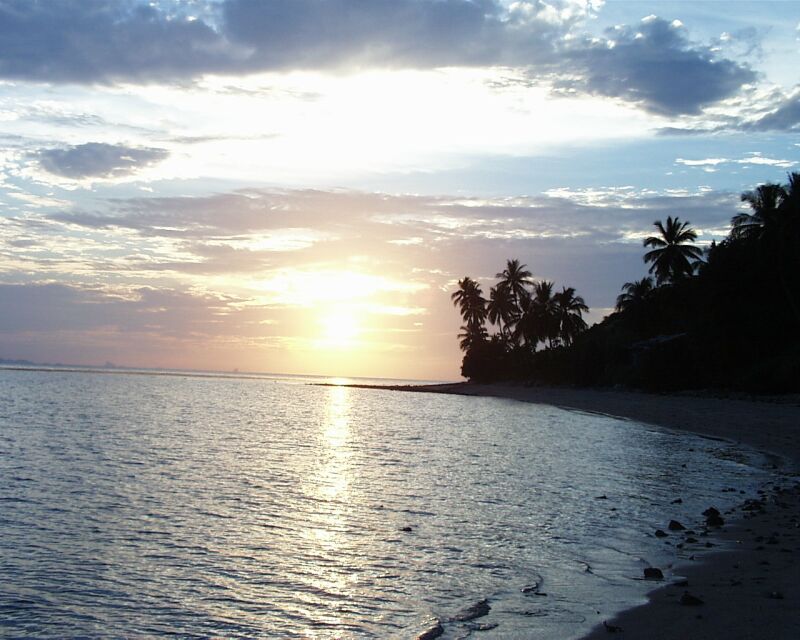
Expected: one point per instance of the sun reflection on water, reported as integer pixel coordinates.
(334, 475)
(327, 526)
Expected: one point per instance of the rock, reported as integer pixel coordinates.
(688, 600)
(611, 628)
(715, 521)
(677, 501)
(485, 626)
(406, 529)
(674, 525)
(473, 611)
(432, 632)
(653, 573)
(660, 534)
(711, 511)
(603, 497)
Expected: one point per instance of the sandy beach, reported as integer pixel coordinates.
(750, 590)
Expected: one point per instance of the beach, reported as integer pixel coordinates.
(749, 590)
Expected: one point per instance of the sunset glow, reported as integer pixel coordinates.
(267, 199)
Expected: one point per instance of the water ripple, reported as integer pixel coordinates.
(146, 506)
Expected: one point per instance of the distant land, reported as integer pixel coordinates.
(28, 363)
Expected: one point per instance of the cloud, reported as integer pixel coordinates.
(103, 41)
(255, 232)
(108, 40)
(753, 158)
(655, 66)
(784, 117)
(154, 279)
(97, 160)
(47, 307)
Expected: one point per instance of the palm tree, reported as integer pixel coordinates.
(501, 309)
(471, 336)
(775, 225)
(539, 322)
(792, 201)
(767, 219)
(469, 298)
(516, 278)
(569, 309)
(671, 257)
(633, 293)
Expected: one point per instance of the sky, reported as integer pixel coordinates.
(296, 186)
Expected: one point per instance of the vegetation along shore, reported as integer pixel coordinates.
(726, 316)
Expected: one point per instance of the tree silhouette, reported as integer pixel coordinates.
(634, 293)
(471, 336)
(501, 309)
(470, 301)
(774, 226)
(569, 310)
(516, 278)
(472, 306)
(539, 321)
(671, 257)
(766, 219)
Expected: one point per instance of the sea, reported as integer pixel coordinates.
(144, 504)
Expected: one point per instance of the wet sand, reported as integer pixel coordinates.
(751, 590)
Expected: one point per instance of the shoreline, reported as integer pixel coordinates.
(712, 416)
(749, 588)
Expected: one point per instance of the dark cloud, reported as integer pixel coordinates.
(111, 40)
(124, 40)
(776, 112)
(785, 117)
(392, 33)
(104, 41)
(97, 160)
(655, 66)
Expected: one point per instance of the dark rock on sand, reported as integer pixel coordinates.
(611, 628)
(471, 612)
(660, 534)
(711, 511)
(432, 632)
(688, 600)
(653, 573)
(674, 525)
(715, 521)
(677, 501)
(406, 529)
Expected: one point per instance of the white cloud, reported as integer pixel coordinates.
(754, 158)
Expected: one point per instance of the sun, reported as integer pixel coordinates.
(340, 328)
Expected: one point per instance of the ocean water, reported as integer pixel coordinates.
(144, 505)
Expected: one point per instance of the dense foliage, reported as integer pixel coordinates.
(527, 314)
(728, 317)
